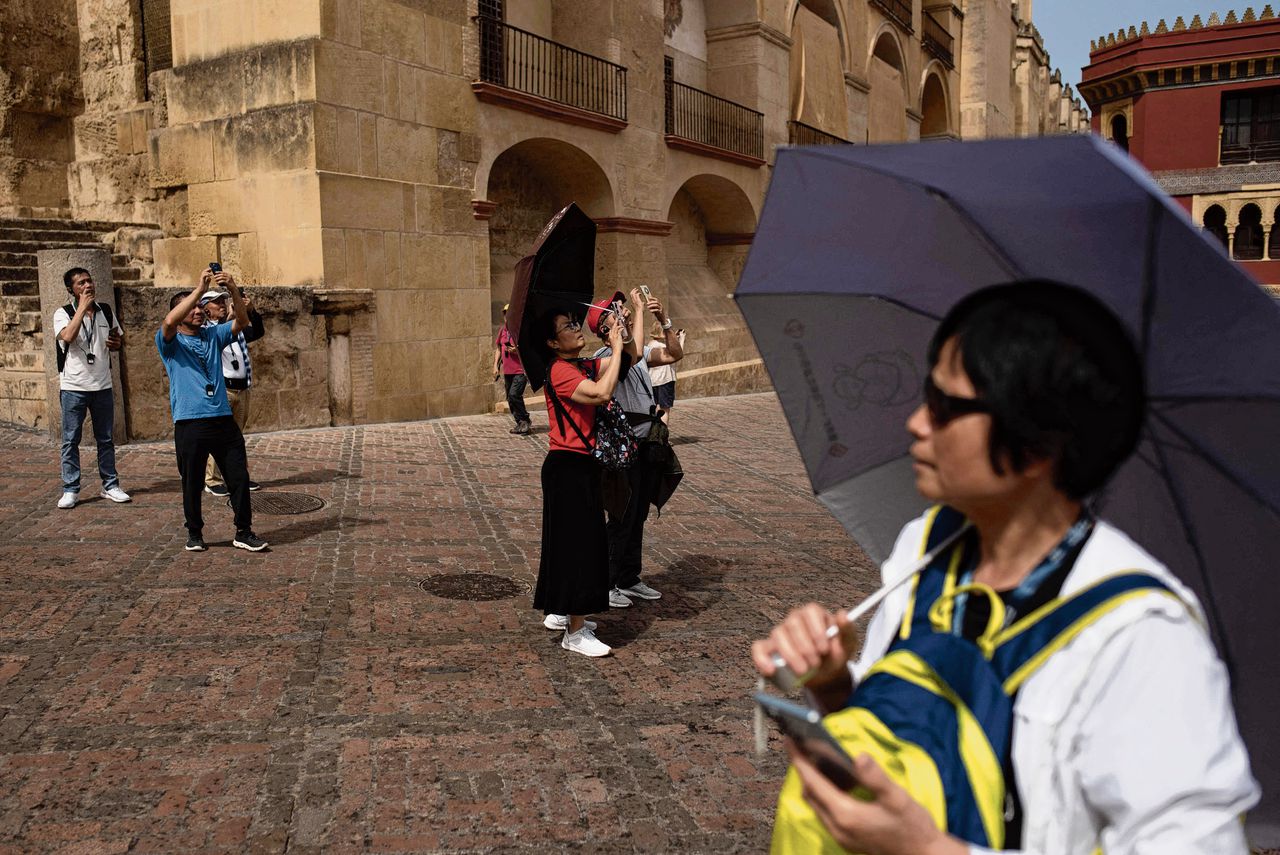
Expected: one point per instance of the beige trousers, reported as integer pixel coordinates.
(239, 400)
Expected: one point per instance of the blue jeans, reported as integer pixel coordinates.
(100, 407)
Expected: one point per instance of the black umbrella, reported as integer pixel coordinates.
(559, 273)
(843, 303)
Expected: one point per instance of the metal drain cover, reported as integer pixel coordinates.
(472, 586)
(286, 503)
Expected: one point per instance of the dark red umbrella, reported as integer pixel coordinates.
(558, 274)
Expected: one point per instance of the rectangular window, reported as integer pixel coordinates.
(1250, 126)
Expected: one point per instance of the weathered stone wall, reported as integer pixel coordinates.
(39, 93)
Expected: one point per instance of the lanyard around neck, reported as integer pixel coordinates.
(1026, 589)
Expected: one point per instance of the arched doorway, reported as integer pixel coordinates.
(528, 183)
(887, 114)
(1248, 235)
(934, 109)
(1215, 222)
(817, 68)
(713, 223)
(1120, 131)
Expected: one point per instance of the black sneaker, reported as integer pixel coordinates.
(254, 486)
(220, 490)
(250, 541)
(195, 543)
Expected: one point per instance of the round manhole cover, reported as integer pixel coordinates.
(472, 586)
(286, 503)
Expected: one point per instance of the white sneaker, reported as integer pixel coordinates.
(115, 494)
(643, 591)
(68, 500)
(618, 600)
(561, 622)
(584, 641)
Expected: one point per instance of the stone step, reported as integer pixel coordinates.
(19, 274)
(17, 259)
(41, 236)
(34, 246)
(57, 225)
(19, 289)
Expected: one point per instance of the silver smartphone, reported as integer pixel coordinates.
(805, 728)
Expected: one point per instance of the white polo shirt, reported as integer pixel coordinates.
(78, 375)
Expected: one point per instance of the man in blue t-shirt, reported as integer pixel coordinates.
(202, 421)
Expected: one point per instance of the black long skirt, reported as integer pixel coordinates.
(573, 574)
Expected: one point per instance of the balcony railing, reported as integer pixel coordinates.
(1259, 152)
(937, 41)
(516, 59)
(798, 133)
(709, 120)
(898, 10)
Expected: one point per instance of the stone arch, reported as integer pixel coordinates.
(935, 103)
(1273, 236)
(890, 88)
(525, 185)
(819, 58)
(1248, 237)
(1215, 222)
(1119, 131)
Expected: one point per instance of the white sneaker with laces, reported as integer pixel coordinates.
(68, 501)
(115, 494)
(618, 600)
(643, 591)
(561, 622)
(584, 641)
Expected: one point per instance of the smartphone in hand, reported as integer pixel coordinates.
(806, 730)
(644, 291)
(215, 267)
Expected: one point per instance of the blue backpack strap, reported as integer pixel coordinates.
(1022, 648)
(942, 522)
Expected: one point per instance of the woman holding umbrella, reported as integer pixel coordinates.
(1124, 737)
(573, 574)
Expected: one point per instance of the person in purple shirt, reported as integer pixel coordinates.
(202, 421)
(506, 364)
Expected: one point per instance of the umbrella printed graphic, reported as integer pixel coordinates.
(842, 307)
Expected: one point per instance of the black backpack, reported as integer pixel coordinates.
(70, 309)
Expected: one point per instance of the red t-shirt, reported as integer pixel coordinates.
(565, 377)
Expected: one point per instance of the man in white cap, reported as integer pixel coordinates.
(237, 372)
(507, 365)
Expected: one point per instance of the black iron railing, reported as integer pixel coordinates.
(699, 116)
(937, 41)
(520, 60)
(898, 10)
(798, 133)
(1260, 152)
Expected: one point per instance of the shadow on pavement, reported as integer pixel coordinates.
(314, 476)
(689, 587)
(300, 530)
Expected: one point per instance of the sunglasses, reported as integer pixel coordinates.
(944, 408)
(572, 325)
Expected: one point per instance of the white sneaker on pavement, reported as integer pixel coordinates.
(643, 591)
(561, 622)
(584, 641)
(68, 501)
(115, 494)
(618, 600)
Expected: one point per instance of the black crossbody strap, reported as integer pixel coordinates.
(561, 414)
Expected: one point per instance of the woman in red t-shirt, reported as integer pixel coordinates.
(573, 573)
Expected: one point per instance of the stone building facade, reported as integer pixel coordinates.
(394, 158)
(1198, 104)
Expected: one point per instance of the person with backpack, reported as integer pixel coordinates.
(86, 332)
(573, 570)
(1043, 684)
(237, 374)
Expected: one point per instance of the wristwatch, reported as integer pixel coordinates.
(666, 325)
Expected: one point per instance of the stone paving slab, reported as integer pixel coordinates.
(316, 698)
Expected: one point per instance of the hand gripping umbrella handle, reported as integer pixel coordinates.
(787, 681)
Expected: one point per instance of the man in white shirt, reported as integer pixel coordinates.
(86, 332)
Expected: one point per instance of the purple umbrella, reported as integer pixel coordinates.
(861, 250)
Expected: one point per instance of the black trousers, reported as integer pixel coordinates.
(195, 441)
(573, 571)
(626, 532)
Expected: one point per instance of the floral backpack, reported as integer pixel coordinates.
(615, 447)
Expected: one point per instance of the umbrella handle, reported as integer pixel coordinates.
(787, 681)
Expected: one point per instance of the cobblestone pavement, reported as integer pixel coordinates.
(317, 698)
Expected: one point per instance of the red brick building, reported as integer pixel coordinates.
(1199, 105)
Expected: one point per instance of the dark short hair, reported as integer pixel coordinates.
(545, 325)
(178, 298)
(1060, 375)
(69, 277)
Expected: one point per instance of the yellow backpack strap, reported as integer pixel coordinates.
(941, 522)
(1024, 647)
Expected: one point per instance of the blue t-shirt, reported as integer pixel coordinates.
(194, 362)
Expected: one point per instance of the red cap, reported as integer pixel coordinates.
(597, 310)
